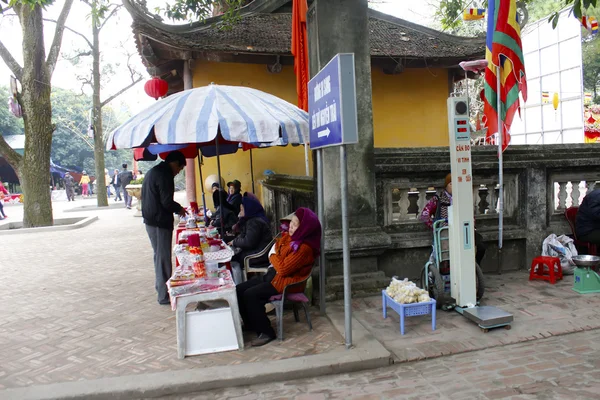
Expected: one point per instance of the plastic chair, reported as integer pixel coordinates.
(294, 298)
(571, 217)
(260, 269)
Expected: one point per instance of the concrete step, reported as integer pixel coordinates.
(356, 277)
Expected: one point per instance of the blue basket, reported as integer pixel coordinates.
(408, 310)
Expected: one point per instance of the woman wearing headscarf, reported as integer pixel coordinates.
(292, 262)
(255, 235)
(223, 210)
(437, 208)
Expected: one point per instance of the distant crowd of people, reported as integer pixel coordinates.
(115, 184)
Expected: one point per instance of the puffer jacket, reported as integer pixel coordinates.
(255, 235)
(588, 215)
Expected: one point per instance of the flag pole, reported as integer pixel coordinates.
(500, 168)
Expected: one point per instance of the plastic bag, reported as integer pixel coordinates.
(562, 247)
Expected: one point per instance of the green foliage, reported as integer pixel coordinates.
(31, 3)
(71, 148)
(591, 65)
(190, 10)
(9, 124)
(449, 11)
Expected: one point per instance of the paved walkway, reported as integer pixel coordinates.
(80, 304)
(540, 310)
(563, 367)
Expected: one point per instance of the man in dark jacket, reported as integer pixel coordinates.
(587, 224)
(158, 208)
(125, 177)
(235, 195)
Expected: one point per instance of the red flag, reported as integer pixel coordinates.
(300, 51)
(504, 50)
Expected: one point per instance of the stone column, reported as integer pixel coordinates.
(341, 26)
(536, 210)
(190, 167)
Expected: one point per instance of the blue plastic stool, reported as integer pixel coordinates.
(408, 310)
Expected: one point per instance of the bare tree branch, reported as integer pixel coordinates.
(68, 125)
(58, 35)
(72, 30)
(11, 62)
(78, 55)
(114, 10)
(13, 158)
(120, 92)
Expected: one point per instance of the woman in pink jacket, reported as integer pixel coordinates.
(3, 194)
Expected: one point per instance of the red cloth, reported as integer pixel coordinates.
(300, 51)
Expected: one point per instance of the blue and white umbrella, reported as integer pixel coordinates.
(239, 114)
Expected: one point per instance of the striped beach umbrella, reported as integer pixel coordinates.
(238, 114)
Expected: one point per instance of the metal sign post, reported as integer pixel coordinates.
(333, 122)
(321, 212)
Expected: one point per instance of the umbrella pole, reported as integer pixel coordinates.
(252, 171)
(202, 183)
(220, 188)
(306, 159)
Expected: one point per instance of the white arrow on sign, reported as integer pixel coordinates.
(324, 133)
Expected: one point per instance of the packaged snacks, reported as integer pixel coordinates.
(406, 292)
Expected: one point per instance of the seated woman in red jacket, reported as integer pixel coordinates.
(295, 254)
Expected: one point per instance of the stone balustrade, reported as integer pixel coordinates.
(539, 183)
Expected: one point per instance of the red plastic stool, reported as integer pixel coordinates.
(546, 268)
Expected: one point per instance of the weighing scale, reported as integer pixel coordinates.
(461, 226)
(586, 280)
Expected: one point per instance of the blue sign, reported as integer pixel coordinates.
(332, 104)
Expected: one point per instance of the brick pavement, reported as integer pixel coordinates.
(540, 310)
(561, 367)
(80, 304)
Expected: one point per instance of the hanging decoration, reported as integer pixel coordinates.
(14, 107)
(13, 104)
(156, 87)
(474, 14)
(591, 128)
(555, 101)
(590, 23)
(587, 98)
(545, 97)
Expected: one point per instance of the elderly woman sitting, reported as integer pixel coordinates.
(254, 235)
(292, 262)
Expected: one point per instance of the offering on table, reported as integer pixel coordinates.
(197, 260)
(191, 223)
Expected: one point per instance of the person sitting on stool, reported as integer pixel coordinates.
(587, 222)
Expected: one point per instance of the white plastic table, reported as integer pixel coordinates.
(227, 293)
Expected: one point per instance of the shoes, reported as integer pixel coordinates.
(165, 303)
(129, 207)
(261, 340)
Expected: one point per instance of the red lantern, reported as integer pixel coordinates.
(156, 87)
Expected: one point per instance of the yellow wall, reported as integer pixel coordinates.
(282, 160)
(409, 110)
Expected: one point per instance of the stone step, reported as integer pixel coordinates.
(371, 285)
(356, 277)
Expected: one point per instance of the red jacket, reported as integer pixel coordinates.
(291, 267)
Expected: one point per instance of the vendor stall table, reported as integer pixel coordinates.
(214, 341)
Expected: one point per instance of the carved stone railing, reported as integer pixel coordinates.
(539, 182)
(283, 194)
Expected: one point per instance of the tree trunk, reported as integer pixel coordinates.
(37, 117)
(102, 199)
